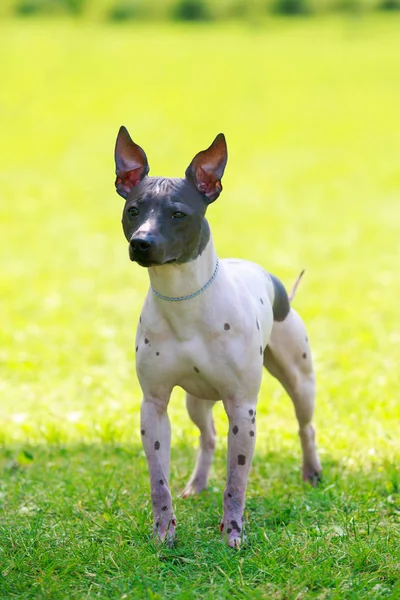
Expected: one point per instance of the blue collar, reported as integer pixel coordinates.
(190, 296)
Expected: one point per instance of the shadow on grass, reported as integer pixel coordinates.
(106, 477)
(76, 520)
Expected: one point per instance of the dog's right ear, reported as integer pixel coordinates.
(130, 163)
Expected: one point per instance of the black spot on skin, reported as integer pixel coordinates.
(196, 369)
(156, 445)
(157, 354)
(262, 301)
(229, 495)
(235, 429)
(251, 412)
(137, 348)
(229, 530)
(261, 350)
(142, 431)
(235, 526)
(158, 524)
(227, 326)
(164, 507)
(146, 341)
(304, 355)
(258, 325)
(251, 433)
(241, 459)
(173, 522)
(161, 482)
(253, 420)
(281, 304)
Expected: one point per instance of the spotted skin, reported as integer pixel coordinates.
(284, 359)
(240, 454)
(281, 304)
(155, 422)
(199, 344)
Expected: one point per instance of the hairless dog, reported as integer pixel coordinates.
(208, 326)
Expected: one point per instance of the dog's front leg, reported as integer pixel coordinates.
(241, 442)
(156, 438)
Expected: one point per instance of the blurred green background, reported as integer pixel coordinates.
(308, 95)
(310, 109)
(190, 10)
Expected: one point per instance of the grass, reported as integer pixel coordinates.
(310, 110)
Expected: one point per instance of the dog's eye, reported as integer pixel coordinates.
(132, 211)
(178, 215)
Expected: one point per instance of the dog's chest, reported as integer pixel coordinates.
(210, 353)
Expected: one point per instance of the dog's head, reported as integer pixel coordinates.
(163, 218)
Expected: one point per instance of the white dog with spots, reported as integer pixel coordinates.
(208, 326)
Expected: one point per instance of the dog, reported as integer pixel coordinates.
(208, 325)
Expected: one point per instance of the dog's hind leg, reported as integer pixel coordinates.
(288, 358)
(200, 411)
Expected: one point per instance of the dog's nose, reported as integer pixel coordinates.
(140, 243)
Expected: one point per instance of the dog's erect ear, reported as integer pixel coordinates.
(207, 168)
(130, 163)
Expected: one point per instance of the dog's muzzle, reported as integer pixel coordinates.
(144, 251)
(139, 249)
(141, 245)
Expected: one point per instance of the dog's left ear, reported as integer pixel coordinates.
(130, 163)
(207, 168)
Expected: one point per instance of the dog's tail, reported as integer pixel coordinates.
(294, 288)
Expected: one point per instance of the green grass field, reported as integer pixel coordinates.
(310, 109)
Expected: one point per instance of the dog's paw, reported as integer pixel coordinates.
(233, 534)
(312, 476)
(236, 542)
(194, 486)
(164, 530)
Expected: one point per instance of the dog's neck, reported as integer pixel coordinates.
(177, 280)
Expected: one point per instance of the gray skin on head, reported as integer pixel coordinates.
(163, 218)
(171, 216)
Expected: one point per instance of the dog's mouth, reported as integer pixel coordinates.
(145, 263)
(148, 261)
